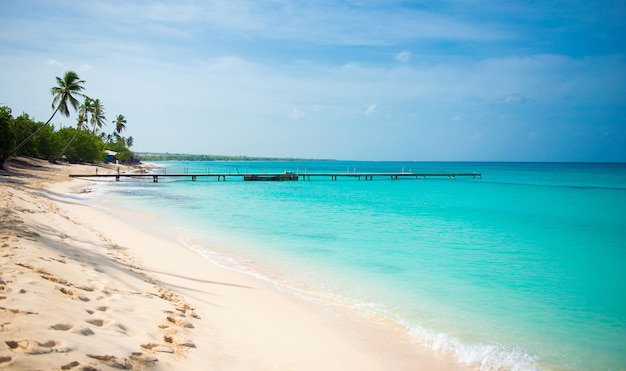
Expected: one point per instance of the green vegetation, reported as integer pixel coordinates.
(188, 157)
(22, 136)
(87, 142)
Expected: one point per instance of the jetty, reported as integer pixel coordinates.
(285, 176)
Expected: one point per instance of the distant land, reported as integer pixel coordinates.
(154, 156)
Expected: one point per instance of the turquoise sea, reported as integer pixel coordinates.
(524, 268)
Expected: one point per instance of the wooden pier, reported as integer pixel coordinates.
(286, 176)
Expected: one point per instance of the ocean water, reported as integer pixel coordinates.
(524, 268)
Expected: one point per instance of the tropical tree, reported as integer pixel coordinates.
(108, 138)
(86, 147)
(120, 124)
(98, 118)
(24, 126)
(63, 94)
(83, 112)
(7, 131)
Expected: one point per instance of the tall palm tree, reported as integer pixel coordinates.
(83, 114)
(84, 111)
(98, 118)
(120, 124)
(63, 94)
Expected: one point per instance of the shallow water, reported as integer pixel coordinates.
(522, 268)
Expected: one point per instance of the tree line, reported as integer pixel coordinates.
(147, 156)
(87, 142)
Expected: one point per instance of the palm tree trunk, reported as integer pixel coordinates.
(67, 145)
(22, 143)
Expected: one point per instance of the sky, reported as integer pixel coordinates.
(449, 80)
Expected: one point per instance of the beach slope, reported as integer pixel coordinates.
(82, 290)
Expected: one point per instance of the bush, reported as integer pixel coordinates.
(7, 131)
(24, 127)
(85, 148)
(47, 143)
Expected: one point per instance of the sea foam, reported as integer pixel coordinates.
(483, 356)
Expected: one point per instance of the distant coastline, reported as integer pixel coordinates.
(155, 156)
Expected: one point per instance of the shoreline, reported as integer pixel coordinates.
(154, 304)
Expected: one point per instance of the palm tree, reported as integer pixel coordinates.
(120, 124)
(66, 86)
(98, 119)
(83, 113)
(107, 138)
(85, 110)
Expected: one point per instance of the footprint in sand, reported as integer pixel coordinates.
(35, 347)
(158, 348)
(112, 361)
(61, 327)
(85, 288)
(3, 287)
(85, 331)
(72, 294)
(96, 322)
(70, 365)
(144, 359)
(174, 340)
(5, 360)
(179, 322)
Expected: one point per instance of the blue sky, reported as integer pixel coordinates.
(364, 80)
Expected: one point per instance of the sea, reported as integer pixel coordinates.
(522, 268)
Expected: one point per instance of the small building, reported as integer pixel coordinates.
(109, 156)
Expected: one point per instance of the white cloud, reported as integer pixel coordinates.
(403, 56)
(80, 67)
(318, 22)
(297, 114)
(55, 63)
(218, 68)
(511, 99)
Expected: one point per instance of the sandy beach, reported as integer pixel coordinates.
(82, 290)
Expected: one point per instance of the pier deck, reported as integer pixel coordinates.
(286, 176)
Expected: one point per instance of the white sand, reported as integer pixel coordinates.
(81, 290)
